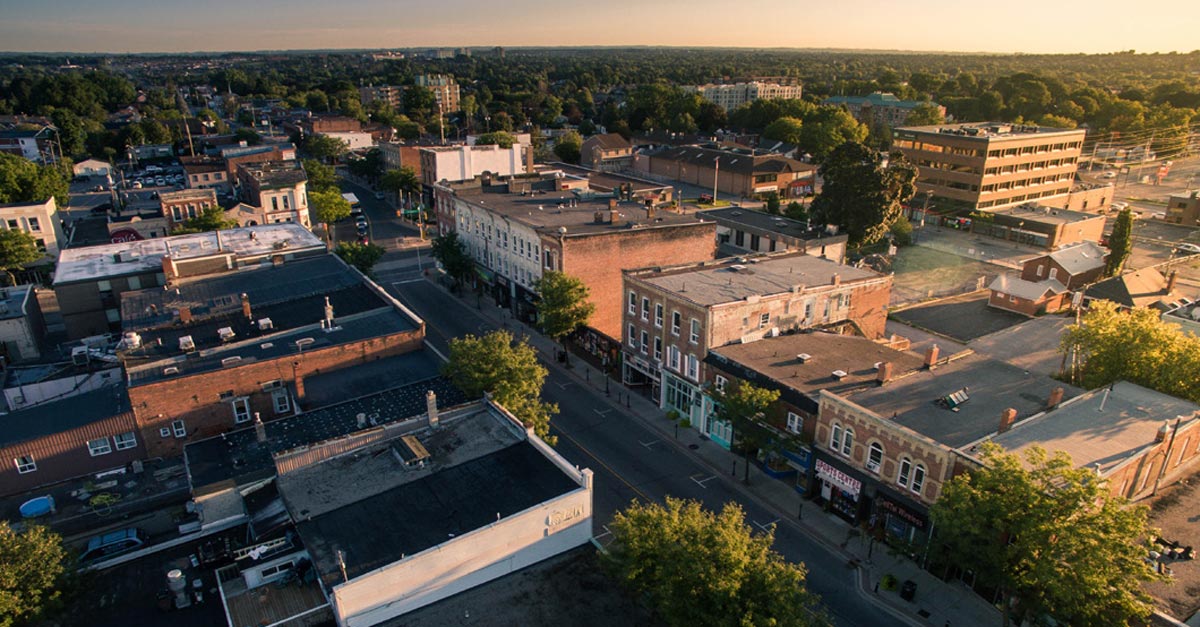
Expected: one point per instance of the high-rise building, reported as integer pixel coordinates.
(444, 88)
(731, 96)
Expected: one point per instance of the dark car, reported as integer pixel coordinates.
(362, 239)
(102, 208)
(113, 543)
(362, 229)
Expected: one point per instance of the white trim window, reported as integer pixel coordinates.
(179, 428)
(125, 440)
(282, 401)
(25, 464)
(98, 447)
(633, 303)
(764, 320)
(918, 480)
(693, 368)
(241, 410)
(658, 349)
(795, 422)
(695, 335)
(848, 442)
(874, 457)
(673, 358)
(835, 438)
(645, 343)
(164, 432)
(658, 315)
(719, 383)
(905, 472)
(632, 335)
(645, 308)
(676, 322)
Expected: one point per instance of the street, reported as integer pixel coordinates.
(631, 461)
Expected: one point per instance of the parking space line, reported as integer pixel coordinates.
(648, 444)
(767, 526)
(701, 482)
(562, 385)
(602, 412)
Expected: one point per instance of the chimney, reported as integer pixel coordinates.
(1055, 398)
(598, 217)
(185, 315)
(614, 216)
(260, 430)
(328, 314)
(1163, 431)
(431, 408)
(1171, 282)
(170, 270)
(883, 373)
(1007, 418)
(649, 210)
(246, 307)
(931, 356)
(836, 279)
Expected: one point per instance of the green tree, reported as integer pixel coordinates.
(796, 211)
(502, 139)
(568, 147)
(404, 182)
(563, 305)
(1050, 537)
(211, 219)
(860, 196)
(32, 571)
(325, 147)
(22, 180)
(696, 567)
(71, 131)
(248, 135)
(925, 114)
(827, 129)
(785, 129)
(320, 176)
(327, 206)
(744, 406)
(1120, 243)
(1111, 345)
(17, 249)
(153, 132)
(901, 231)
(772, 204)
(508, 370)
(361, 256)
(452, 254)
(419, 102)
(369, 166)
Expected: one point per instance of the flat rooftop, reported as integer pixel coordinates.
(992, 130)
(12, 301)
(478, 473)
(765, 222)
(717, 282)
(275, 174)
(1130, 419)
(607, 181)
(68, 413)
(1044, 215)
(240, 457)
(93, 263)
(776, 357)
(992, 386)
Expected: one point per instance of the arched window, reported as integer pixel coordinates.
(905, 471)
(848, 442)
(874, 457)
(835, 440)
(918, 478)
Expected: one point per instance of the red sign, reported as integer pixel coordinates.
(121, 236)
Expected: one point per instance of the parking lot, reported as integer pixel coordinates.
(962, 318)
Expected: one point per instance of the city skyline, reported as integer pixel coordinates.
(141, 26)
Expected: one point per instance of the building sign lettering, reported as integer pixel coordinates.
(900, 512)
(561, 516)
(838, 478)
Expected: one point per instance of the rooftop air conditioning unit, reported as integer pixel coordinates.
(265, 324)
(803, 358)
(186, 343)
(230, 361)
(226, 334)
(839, 374)
(170, 370)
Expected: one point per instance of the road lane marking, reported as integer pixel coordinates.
(605, 466)
(701, 482)
(563, 385)
(766, 527)
(648, 444)
(607, 532)
(408, 281)
(602, 413)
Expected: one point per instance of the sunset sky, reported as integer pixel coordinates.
(1057, 26)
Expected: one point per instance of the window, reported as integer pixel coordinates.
(673, 358)
(905, 471)
(645, 308)
(874, 457)
(848, 442)
(281, 401)
(164, 432)
(693, 367)
(99, 446)
(695, 336)
(125, 440)
(25, 464)
(676, 320)
(835, 440)
(34, 225)
(719, 383)
(267, 386)
(1054, 273)
(658, 315)
(918, 478)
(285, 204)
(795, 422)
(632, 335)
(241, 410)
(764, 320)
(645, 342)
(179, 428)
(658, 348)
(135, 283)
(632, 303)
(276, 569)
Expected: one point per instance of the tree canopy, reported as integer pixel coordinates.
(744, 406)
(32, 568)
(1120, 243)
(452, 254)
(568, 147)
(563, 304)
(17, 248)
(695, 567)
(321, 177)
(1111, 345)
(785, 129)
(861, 196)
(328, 206)
(210, 219)
(509, 370)
(502, 139)
(22, 180)
(403, 181)
(361, 256)
(1049, 536)
(324, 147)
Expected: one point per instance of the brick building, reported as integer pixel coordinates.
(673, 316)
(445, 91)
(215, 353)
(1039, 225)
(517, 228)
(183, 205)
(881, 108)
(1184, 209)
(202, 172)
(609, 152)
(88, 280)
(981, 165)
(741, 231)
(738, 172)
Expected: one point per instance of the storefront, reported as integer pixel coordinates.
(841, 492)
(719, 431)
(800, 459)
(904, 521)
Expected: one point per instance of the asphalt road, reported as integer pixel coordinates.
(384, 228)
(631, 462)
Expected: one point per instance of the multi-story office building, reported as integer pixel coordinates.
(881, 108)
(731, 96)
(965, 167)
(444, 88)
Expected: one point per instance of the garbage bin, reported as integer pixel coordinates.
(908, 590)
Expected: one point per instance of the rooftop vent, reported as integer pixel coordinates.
(265, 324)
(226, 334)
(230, 361)
(186, 343)
(411, 451)
(840, 374)
(803, 358)
(737, 267)
(304, 341)
(170, 370)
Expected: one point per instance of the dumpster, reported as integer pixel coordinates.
(908, 591)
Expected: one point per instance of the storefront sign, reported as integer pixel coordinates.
(903, 513)
(838, 478)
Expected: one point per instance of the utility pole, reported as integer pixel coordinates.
(716, 177)
(441, 123)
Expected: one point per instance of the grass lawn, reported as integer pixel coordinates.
(717, 204)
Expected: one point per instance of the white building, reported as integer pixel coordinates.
(731, 96)
(20, 323)
(93, 167)
(39, 219)
(355, 140)
(463, 163)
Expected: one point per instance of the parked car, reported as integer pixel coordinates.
(1118, 206)
(1109, 175)
(102, 208)
(113, 543)
(360, 219)
(160, 181)
(137, 184)
(99, 188)
(1188, 249)
(362, 239)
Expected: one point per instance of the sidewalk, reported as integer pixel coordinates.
(937, 603)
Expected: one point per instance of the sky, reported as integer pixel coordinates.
(1031, 26)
